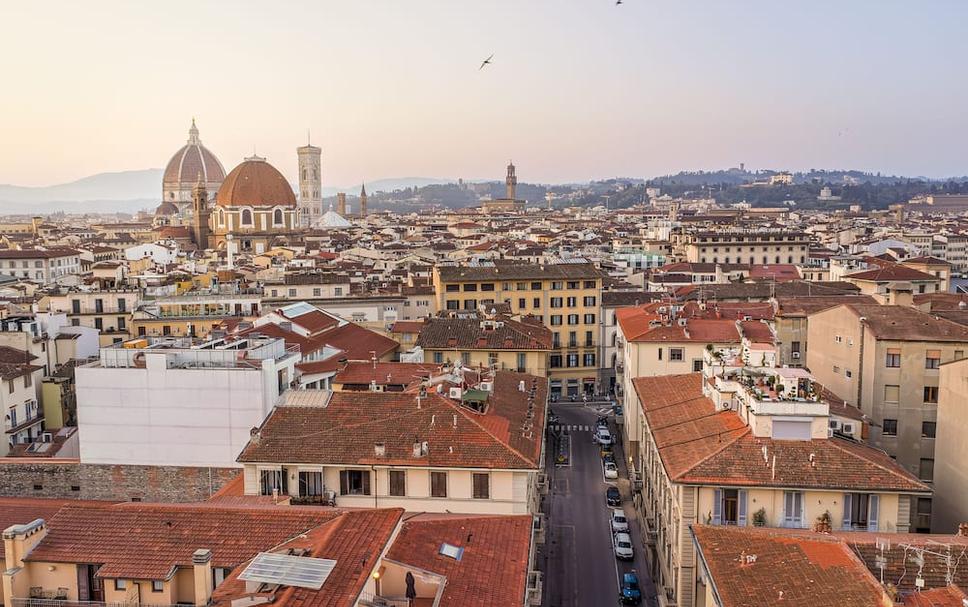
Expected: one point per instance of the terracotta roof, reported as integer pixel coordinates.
(750, 566)
(493, 570)
(407, 326)
(904, 323)
(36, 253)
(804, 306)
(635, 324)
(519, 271)
(146, 541)
(255, 182)
(891, 273)
(23, 510)
(756, 331)
(689, 430)
(354, 539)
(949, 596)
(926, 260)
(364, 372)
(346, 430)
(765, 290)
(778, 272)
(357, 343)
(468, 334)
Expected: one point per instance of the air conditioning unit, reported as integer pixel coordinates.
(795, 355)
(835, 424)
(46, 437)
(487, 386)
(847, 428)
(455, 393)
(830, 432)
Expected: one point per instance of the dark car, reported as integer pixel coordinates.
(608, 457)
(631, 593)
(613, 497)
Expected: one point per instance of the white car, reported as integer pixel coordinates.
(619, 522)
(622, 542)
(611, 470)
(603, 436)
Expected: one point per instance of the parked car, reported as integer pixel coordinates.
(622, 543)
(608, 456)
(611, 470)
(613, 497)
(602, 421)
(631, 593)
(619, 522)
(603, 436)
(607, 451)
(553, 419)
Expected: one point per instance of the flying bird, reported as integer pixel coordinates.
(486, 62)
(617, 2)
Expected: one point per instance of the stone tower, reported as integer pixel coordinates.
(511, 182)
(200, 214)
(310, 184)
(341, 204)
(363, 201)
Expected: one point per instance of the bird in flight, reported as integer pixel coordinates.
(617, 2)
(486, 62)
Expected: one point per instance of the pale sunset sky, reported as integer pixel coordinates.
(578, 89)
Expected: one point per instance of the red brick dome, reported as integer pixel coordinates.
(255, 182)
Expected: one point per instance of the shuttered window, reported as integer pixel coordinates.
(438, 484)
(482, 486)
(398, 483)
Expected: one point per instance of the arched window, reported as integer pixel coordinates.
(277, 217)
(246, 217)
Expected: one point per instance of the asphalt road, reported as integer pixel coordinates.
(580, 568)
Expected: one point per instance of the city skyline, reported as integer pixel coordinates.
(575, 91)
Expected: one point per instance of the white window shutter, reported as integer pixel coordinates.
(872, 515)
(717, 507)
(847, 498)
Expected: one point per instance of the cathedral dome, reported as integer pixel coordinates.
(255, 182)
(189, 163)
(167, 207)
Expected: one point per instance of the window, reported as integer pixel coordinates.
(929, 429)
(589, 301)
(536, 286)
(729, 507)
(354, 482)
(795, 346)
(453, 304)
(556, 302)
(849, 373)
(892, 393)
(465, 358)
(482, 486)
(246, 217)
(270, 480)
(924, 506)
(122, 323)
(838, 339)
(697, 365)
(28, 379)
(555, 320)
(521, 286)
(926, 470)
(522, 364)
(572, 284)
(589, 284)
(959, 354)
(75, 306)
(338, 291)
(932, 359)
(292, 292)
(522, 303)
(589, 341)
(572, 359)
(589, 319)
(120, 584)
(438, 484)
(931, 394)
(453, 288)
(122, 305)
(836, 370)
(889, 427)
(317, 292)
(572, 319)
(660, 353)
(572, 302)
(470, 304)
(157, 586)
(793, 509)
(675, 354)
(893, 358)
(487, 286)
(310, 484)
(277, 217)
(860, 511)
(536, 302)
(470, 287)
(589, 359)
(398, 483)
(99, 324)
(557, 285)
(554, 361)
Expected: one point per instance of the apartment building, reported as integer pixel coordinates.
(740, 446)
(655, 340)
(791, 322)
(483, 340)
(45, 266)
(194, 313)
(307, 286)
(878, 281)
(751, 247)
(171, 401)
(886, 360)
(23, 417)
(442, 447)
(108, 311)
(564, 296)
(612, 353)
(950, 506)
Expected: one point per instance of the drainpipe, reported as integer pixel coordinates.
(860, 364)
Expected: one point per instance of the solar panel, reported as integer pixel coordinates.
(288, 570)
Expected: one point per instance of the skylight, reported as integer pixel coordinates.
(288, 570)
(449, 550)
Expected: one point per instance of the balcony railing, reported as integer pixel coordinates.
(26, 602)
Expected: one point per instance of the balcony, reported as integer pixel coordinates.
(368, 599)
(55, 602)
(14, 424)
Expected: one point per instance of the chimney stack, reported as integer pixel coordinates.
(204, 580)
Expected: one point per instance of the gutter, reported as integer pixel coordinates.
(705, 567)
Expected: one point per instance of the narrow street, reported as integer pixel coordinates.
(581, 569)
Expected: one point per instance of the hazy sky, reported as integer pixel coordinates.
(579, 89)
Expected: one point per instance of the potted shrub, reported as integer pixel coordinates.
(759, 518)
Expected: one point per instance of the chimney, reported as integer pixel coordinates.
(202, 568)
(18, 540)
(963, 530)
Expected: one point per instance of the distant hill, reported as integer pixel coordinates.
(386, 185)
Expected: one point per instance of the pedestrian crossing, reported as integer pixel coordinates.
(572, 428)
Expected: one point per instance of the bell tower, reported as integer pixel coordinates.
(200, 214)
(511, 182)
(310, 184)
(363, 201)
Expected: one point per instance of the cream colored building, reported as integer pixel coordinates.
(564, 296)
(753, 247)
(728, 446)
(950, 506)
(886, 361)
(108, 311)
